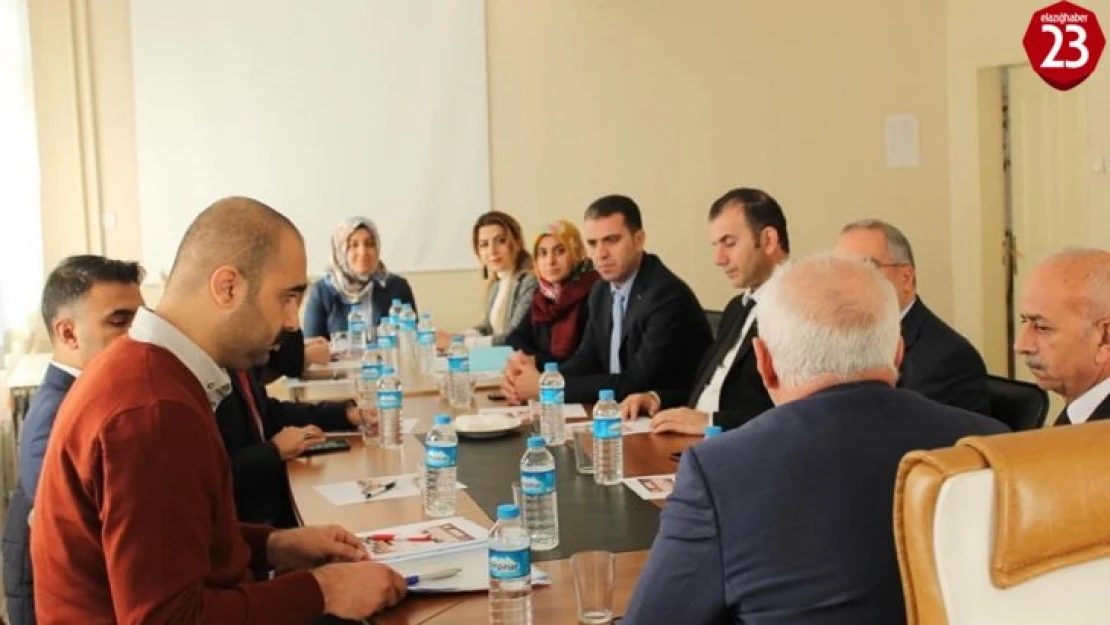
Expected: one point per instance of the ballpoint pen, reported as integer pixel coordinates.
(412, 580)
(379, 490)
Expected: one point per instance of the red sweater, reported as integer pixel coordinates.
(134, 520)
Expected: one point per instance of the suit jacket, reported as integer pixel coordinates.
(534, 338)
(743, 396)
(261, 485)
(520, 302)
(1102, 412)
(664, 334)
(325, 310)
(37, 426)
(787, 520)
(941, 364)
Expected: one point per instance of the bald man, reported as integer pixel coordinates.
(787, 519)
(1065, 331)
(134, 520)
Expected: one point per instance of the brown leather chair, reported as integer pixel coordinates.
(1008, 529)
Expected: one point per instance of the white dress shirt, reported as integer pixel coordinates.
(709, 401)
(68, 369)
(148, 327)
(1084, 406)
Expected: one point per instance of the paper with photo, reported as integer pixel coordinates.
(354, 491)
(473, 577)
(651, 487)
(437, 537)
(570, 411)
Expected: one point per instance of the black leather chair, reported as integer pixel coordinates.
(1020, 405)
(714, 319)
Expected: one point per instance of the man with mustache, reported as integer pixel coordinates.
(134, 517)
(1065, 331)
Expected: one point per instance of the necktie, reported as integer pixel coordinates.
(248, 394)
(1063, 418)
(615, 336)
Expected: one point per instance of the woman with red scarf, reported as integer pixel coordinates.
(557, 318)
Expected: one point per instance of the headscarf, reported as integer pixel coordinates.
(558, 304)
(349, 284)
(567, 234)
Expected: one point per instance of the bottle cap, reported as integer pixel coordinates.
(443, 419)
(507, 511)
(458, 338)
(387, 370)
(396, 301)
(535, 442)
(712, 430)
(606, 394)
(551, 367)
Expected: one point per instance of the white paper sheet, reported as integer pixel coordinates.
(570, 411)
(635, 426)
(651, 487)
(352, 492)
(473, 577)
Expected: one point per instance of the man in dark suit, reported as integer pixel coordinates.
(261, 433)
(1065, 332)
(646, 328)
(788, 519)
(747, 229)
(939, 363)
(88, 302)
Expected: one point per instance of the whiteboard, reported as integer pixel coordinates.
(322, 110)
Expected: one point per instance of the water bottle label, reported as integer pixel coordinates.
(510, 564)
(607, 428)
(354, 327)
(387, 341)
(426, 337)
(408, 325)
(537, 482)
(371, 373)
(551, 396)
(389, 399)
(441, 456)
(457, 364)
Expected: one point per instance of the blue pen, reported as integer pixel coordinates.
(413, 580)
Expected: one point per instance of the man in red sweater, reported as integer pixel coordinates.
(134, 520)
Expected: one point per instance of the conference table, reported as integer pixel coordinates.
(610, 518)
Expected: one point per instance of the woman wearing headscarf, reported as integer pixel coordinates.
(356, 276)
(557, 316)
(507, 268)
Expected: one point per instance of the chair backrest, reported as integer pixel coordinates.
(714, 319)
(1012, 529)
(1020, 405)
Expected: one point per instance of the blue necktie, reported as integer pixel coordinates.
(615, 337)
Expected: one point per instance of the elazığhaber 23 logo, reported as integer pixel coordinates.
(1064, 43)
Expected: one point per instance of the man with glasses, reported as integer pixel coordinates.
(939, 363)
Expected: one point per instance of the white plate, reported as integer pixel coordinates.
(485, 425)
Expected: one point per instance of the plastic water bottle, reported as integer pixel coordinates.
(356, 332)
(459, 389)
(426, 345)
(441, 453)
(608, 440)
(395, 308)
(387, 343)
(552, 422)
(406, 333)
(389, 408)
(366, 387)
(510, 570)
(537, 492)
(712, 430)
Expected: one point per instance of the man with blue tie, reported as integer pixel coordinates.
(788, 519)
(88, 302)
(646, 328)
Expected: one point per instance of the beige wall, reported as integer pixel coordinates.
(670, 102)
(982, 35)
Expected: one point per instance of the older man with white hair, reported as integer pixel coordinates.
(788, 518)
(1065, 333)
